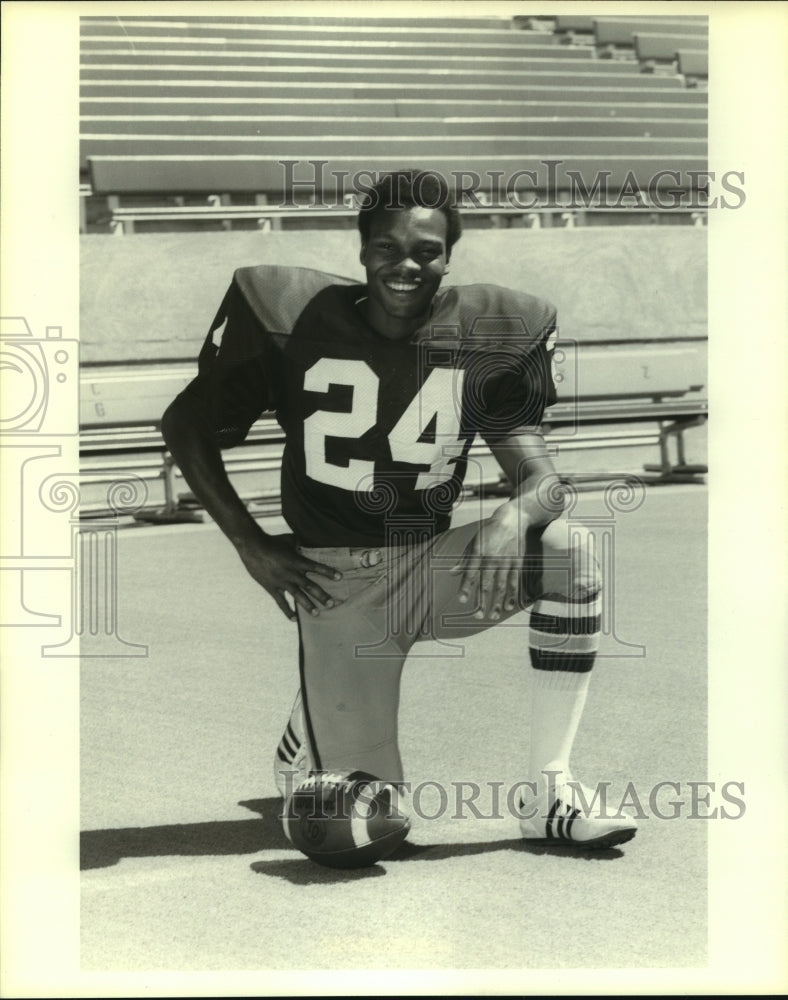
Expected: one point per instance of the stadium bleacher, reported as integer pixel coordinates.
(650, 45)
(98, 127)
(614, 33)
(544, 104)
(693, 64)
(198, 172)
(239, 86)
(186, 122)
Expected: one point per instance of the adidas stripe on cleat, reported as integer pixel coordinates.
(566, 814)
(292, 760)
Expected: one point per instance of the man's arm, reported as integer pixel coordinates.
(537, 498)
(271, 560)
(494, 560)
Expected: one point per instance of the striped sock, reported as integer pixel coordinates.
(289, 745)
(564, 638)
(292, 760)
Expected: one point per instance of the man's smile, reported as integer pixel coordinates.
(401, 286)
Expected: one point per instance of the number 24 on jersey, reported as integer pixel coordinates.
(436, 402)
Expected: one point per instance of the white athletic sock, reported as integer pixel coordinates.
(557, 701)
(564, 638)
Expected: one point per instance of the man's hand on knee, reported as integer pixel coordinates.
(492, 564)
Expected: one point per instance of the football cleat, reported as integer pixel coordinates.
(292, 760)
(567, 814)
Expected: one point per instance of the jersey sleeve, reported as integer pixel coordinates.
(512, 382)
(233, 380)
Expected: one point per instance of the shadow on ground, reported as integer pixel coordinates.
(104, 848)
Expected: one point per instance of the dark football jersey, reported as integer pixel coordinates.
(377, 431)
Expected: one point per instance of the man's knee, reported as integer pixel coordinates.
(571, 563)
(586, 574)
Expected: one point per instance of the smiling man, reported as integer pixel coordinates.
(381, 390)
(401, 286)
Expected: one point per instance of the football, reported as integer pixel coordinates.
(348, 820)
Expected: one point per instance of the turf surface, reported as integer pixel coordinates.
(184, 863)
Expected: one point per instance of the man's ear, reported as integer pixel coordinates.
(362, 255)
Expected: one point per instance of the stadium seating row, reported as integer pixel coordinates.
(399, 148)
(252, 173)
(522, 30)
(127, 33)
(341, 84)
(550, 59)
(228, 23)
(264, 65)
(586, 23)
(652, 124)
(402, 47)
(545, 103)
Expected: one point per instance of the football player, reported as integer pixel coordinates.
(381, 389)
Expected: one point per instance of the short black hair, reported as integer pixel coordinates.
(401, 189)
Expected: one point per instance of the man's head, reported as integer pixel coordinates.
(403, 189)
(408, 227)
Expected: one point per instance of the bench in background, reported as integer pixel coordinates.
(158, 174)
(638, 370)
(624, 395)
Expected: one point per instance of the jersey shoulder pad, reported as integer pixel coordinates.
(278, 295)
(493, 313)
